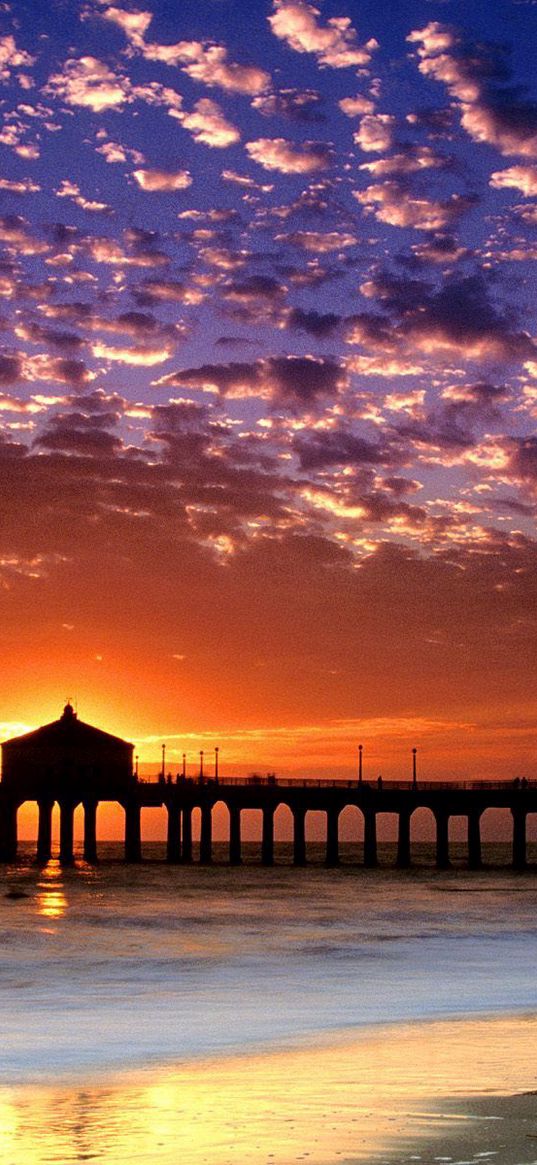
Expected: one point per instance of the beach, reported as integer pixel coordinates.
(165, 1015)
(427, 1092)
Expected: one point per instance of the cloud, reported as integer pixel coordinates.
(109, 252)
(522, 178)
(15, 234)
(288, 381)
(294, 104)
(162, 181)
(279, 154)
(335, 44)
(207, 124)
(87, 83)
(522, 460)
(459, 317)
(114, 152)
(316, 323)
(320, 242)
(20, 186)
(68, 189)
(12, 58)
(154, 291)
(337, 447)
(391, 203)
(356, 106)
(462, 317)
(441, 249)
(202, 61)
(375, 132)
(477, 76)
(413, 160)
(139, 355)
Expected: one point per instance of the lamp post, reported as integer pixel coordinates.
(216, 751)
(184, 764)
(136, 766)
(360, 752)
(201, 764)
(414, 769)
(163, 760)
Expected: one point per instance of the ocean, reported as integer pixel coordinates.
(116, 980)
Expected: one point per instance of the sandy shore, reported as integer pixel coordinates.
(420, 1092)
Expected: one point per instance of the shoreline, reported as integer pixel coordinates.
(416, 1091)
(118, 1073)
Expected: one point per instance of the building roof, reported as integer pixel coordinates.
(68, 731)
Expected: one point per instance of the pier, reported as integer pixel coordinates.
(69, 764)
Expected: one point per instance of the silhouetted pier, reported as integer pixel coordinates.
(70, 764)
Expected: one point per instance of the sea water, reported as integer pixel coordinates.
(116, 967)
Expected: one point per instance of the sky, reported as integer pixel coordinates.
(268, 379)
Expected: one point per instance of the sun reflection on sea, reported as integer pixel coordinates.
(373, 1092)
(51, 899)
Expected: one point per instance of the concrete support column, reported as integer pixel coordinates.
(299, 836)
(267, 841)
(442, 840)
(403, 841)
(474, 840)
(370, 838)
(44, 831)
(332, 837)
(8, 832)
(234, 836)
(133, 832)
(206, 838)
(90, 831)
(173, 841)
(187, 835)
(519, 839)
(67, 812)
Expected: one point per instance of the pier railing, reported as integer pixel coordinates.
(323, 783)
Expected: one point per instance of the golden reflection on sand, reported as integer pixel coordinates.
(360, 1099)
(51, 900)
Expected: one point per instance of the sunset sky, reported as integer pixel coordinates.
(268, 379)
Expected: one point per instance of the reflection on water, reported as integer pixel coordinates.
(51, 899)
(353, 1101)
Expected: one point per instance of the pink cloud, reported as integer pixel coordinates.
(375, 132)
(335, 44)
(208, 125)
(522, 178)
(390, 203)
(279, 154)
(162, 181)
(89, 84)
(474, 75)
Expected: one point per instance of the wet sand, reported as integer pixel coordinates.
(420, 1092)
(501, 1130)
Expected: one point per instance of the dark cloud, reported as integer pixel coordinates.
(294, 104)
(338, 447)
(288, 381)
(316, 323)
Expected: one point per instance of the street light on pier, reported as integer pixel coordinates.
(163, 760)
(201, 764)
(184, 764)
(414, 770)
(136, 766)
(360, 751)
(216, 751)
